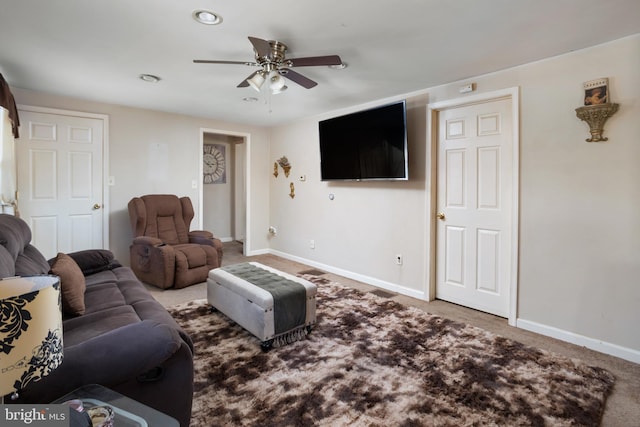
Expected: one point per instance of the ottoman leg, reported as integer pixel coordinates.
(266, 345)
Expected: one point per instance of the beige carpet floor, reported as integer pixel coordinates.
(622, 407)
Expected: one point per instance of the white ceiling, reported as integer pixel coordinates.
(95, 50)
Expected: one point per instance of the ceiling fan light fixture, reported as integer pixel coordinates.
(257, 80)
(206, 17)
(276, 82)
(280, 90)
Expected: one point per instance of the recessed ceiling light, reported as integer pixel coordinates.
(206, 17)
(341, 66)
(149, 78)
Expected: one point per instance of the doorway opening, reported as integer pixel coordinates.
(223, 189)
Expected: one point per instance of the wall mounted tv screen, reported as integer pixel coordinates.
(365, 145)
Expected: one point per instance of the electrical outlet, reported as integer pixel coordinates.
(312, 244)
(399, 259)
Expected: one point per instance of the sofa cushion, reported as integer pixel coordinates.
(30, 262)
(80, 329)
(72, 284)
(7, 263)
(17, 256)
(102, 296)
(194, 255)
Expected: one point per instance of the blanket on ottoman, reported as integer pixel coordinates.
(276, 307)
(289, 297)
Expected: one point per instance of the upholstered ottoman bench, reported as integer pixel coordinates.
(276, 307)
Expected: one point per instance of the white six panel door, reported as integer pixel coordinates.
(474, 206)
(60, 180)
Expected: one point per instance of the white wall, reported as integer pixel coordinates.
(133, 134)
(579, 223)
(240, 190)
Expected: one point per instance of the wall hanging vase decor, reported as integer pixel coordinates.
(597, 108)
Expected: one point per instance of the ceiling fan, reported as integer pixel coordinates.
(270, 57)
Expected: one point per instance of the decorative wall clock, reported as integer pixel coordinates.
(214, 164)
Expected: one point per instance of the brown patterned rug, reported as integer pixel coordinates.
(371, 361)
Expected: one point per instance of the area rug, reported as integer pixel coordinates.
(371, 361)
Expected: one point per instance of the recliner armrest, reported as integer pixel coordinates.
(201, 237)
(152, 261)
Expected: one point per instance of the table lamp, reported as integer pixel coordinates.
(30, 330)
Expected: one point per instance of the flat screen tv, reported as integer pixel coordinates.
(365, 145)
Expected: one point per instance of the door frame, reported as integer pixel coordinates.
(246, 247)
(105, 157)
(433, 110)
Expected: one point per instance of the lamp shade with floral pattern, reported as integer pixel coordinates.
(30, 330)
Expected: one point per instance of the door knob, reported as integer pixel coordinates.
(440, 215)
(97, 206)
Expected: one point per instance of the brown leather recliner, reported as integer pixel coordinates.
(164, 253)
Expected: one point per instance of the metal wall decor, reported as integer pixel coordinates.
(214, 164)
(285, 165)
(283, 162)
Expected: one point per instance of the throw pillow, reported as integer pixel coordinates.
(72, 284)
(92, 261)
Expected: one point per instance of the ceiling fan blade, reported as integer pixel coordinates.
(245, 82)
(314, 60)
(261, 46)
(208, 61)
(297, 78)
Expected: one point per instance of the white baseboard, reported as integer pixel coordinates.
(581, 340)
(355, 276)
(258, 252)
(550, 331)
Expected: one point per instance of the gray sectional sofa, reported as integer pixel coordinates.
(124, 339)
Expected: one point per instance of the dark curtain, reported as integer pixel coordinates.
(7, 101)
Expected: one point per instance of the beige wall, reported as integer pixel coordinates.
(133, 136)
(579, 254)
